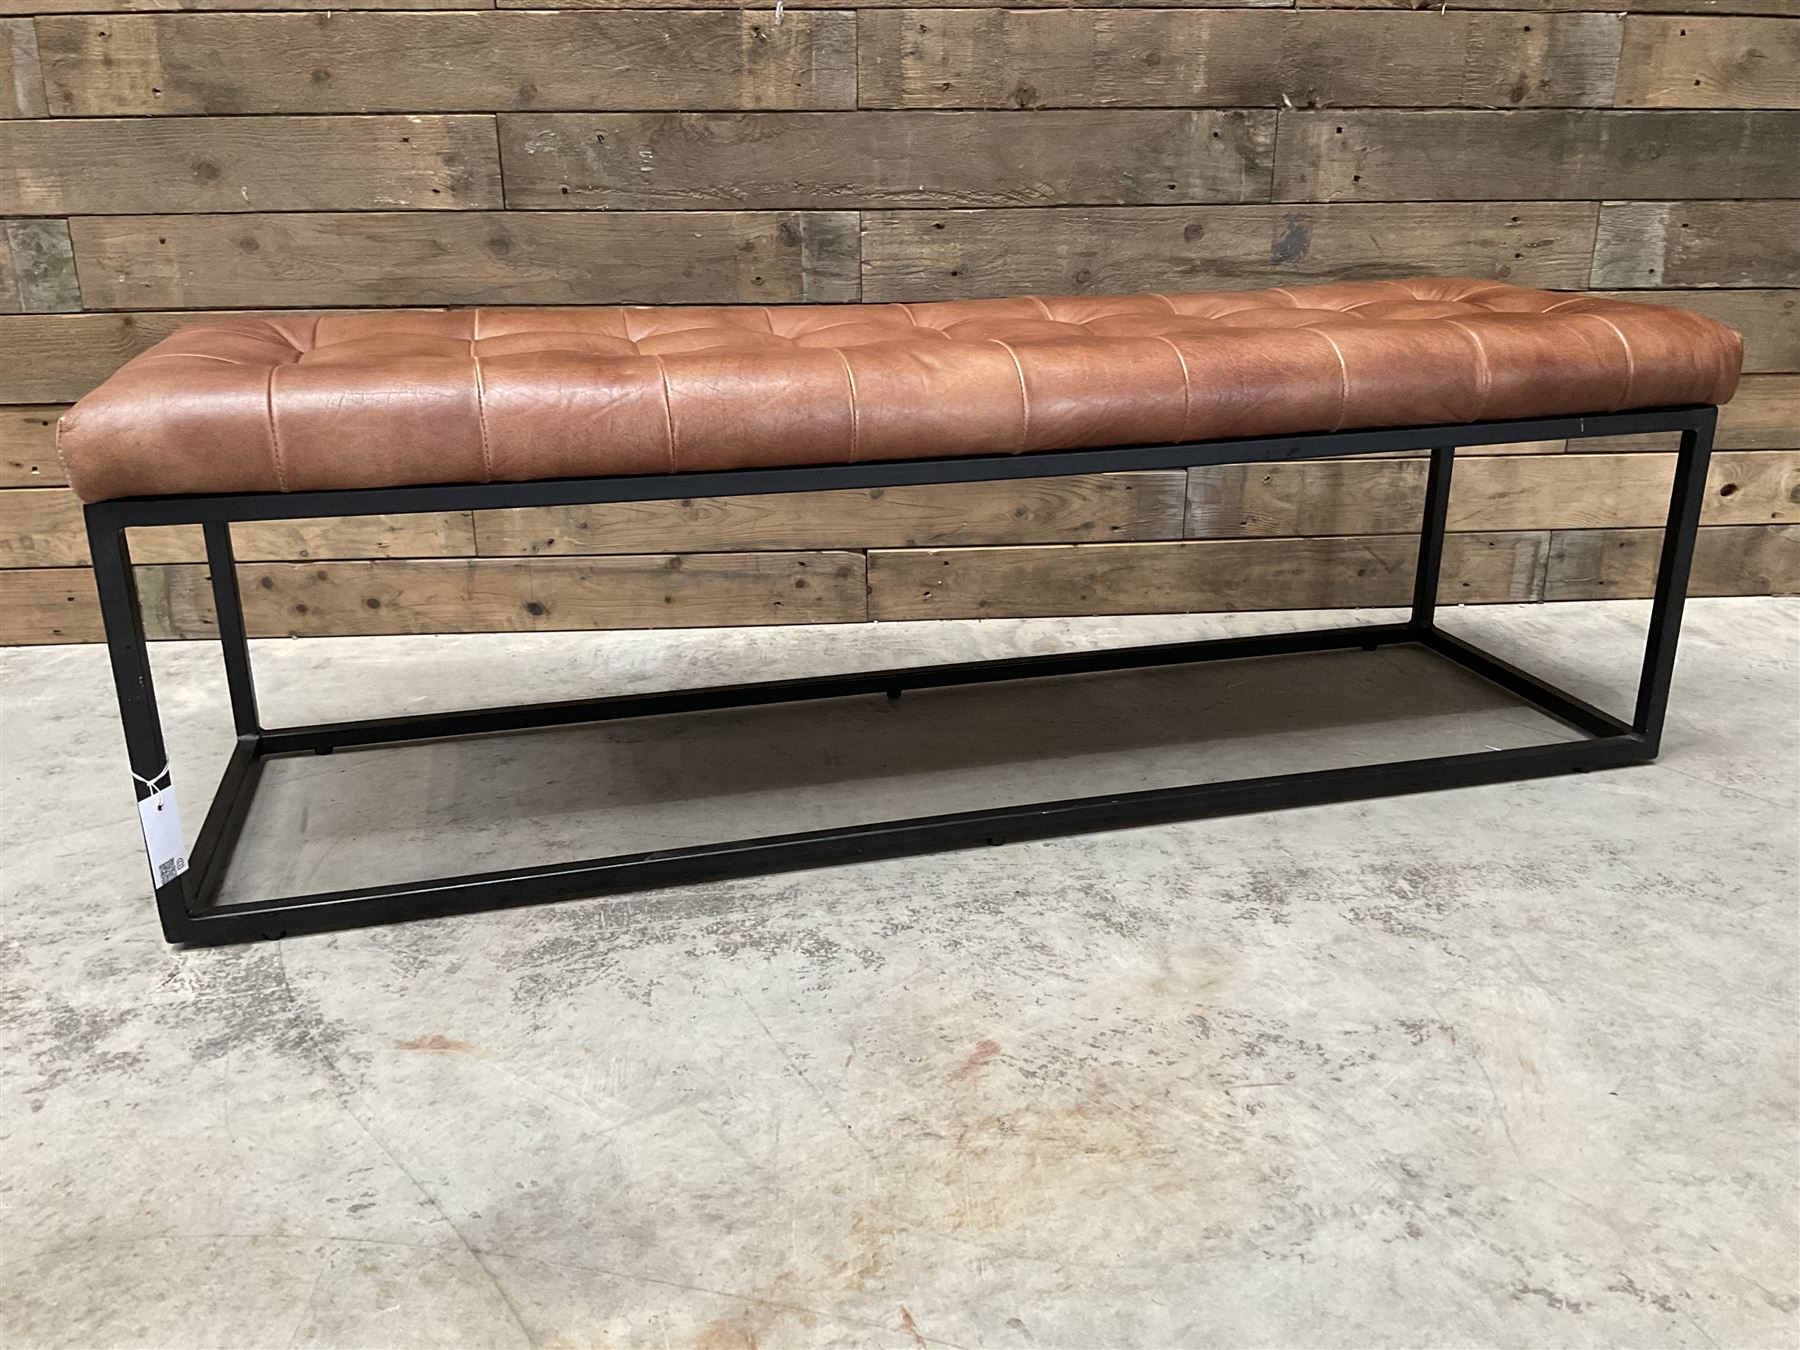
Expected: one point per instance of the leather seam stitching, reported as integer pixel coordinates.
(274, 435)
(1630, 358)
(487, 456)
(850, 376)
(1486, 367)
(1187, 385)
(1343, 378)
(662, 372)
(1024, 394)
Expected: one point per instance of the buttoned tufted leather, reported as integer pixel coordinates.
(295, 402)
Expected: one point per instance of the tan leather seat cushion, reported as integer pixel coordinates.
(294, 402)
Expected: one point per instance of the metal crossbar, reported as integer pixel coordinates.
(192, 912)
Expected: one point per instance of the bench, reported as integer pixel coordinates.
(292, 416)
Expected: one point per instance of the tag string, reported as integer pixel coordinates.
(155, 778)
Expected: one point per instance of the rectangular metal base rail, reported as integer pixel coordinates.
(189, 904)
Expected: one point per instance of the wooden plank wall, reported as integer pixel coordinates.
(162, 158)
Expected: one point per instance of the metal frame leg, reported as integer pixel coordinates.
(228, 608)
(1433, 522)
(126, 646)
(1687, 495)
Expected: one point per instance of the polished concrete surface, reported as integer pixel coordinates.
(1513, 1066)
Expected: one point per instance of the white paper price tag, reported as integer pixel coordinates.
(162, 835)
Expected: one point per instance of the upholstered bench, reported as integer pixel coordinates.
(293, 416)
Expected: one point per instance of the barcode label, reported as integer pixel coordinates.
(162, 835)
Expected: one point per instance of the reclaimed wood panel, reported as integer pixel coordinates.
(43, 527)
(1077, 509)
(1769, 320)
(1192, 576)
(1691, 62)
(709, 161)
(1099, 6)
(1010, 58)
(1489, 493)
(933, 255)
(150, 6)
(1575, 155)
(1765, 415)
(178, 164)
(1698, 244)
(465, 257)
(37, 268)
(28, 455)
(1787, 7)
(1621, 564)
(21, 81)
(533, 595)
(56, 358)
(492, 60)
(52, 605)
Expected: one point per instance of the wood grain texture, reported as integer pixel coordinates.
(1698, 244)
(1575, 155)
(921, 255)
(1621, 564)
(1197, 575)
(1765, 415)
(129, 165)
(184, 6)
(465, 257)
(705, 161)
(28, 455)
(1078, 509)
(1784, 7)
(21, 79)
(56, 358)
(159, 65)
(43, 527)
(1491, 493)
(1093, 6)
(1769, 320)
(1690, 62)
(37, 268)
(1007, 58)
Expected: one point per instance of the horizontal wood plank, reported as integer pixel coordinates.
(1193, 576)
(1489, 493)
(1621, 564)
(28, 455)
(1081, 508)
(1010, 58)
(42, 527)
(1698, 243)
(59, 357)
(1695, 62)
(152, 6)
(877, 5)
(465, 257)
(490, 60)
(704, 161)
(1575, 155)
(21, 81)
(1769, 320)
(37, 268)
(128, 165)
(932, 255)
(1787, 7)
(1764, 415)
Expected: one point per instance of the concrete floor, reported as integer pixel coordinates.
(1513, 1066)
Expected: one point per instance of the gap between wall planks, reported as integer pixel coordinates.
(293, 154)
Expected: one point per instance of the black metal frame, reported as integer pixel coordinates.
(189, 906)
